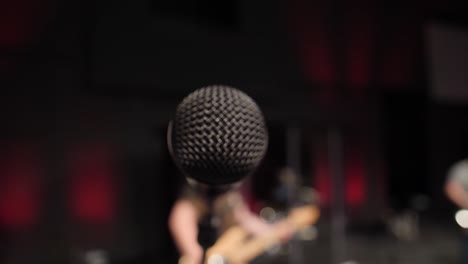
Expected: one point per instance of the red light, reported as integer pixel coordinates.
(355, 184)
(92, 196)
(322, 178)
(19, 187)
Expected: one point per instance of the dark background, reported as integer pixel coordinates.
(88, 88)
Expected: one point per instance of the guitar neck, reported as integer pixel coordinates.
(255, 247)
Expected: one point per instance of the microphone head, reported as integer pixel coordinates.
(218, 136)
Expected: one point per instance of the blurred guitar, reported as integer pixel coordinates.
(237, 246)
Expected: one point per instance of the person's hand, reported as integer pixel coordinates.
(194, 256)
(284, 231)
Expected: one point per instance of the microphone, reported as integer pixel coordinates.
(217, 137)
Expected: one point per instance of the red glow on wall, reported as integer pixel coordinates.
(316, 58)
(322, 180)
(19, 187)
(372, 47)
(20, 20)
(360, 48)
(355, 175)
(356, 186)
(93, 190)
(307, 23)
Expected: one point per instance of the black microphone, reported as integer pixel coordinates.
(217, 137)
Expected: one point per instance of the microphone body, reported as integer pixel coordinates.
(218, 137)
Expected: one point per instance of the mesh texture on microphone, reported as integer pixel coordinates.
(219, 135)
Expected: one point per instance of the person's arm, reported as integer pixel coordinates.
(183, 225)
(249, 221)
(456, 193)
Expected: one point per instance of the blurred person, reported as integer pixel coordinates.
(456, 189)
(229, 209)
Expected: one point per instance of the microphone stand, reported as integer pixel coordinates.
(208, 231)
(206, 234)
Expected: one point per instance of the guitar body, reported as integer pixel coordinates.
(237, 246)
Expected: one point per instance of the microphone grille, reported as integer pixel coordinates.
(219, 135)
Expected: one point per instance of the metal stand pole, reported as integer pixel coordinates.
(293, 159)
(338, 214)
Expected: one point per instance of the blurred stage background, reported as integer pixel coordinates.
(365, 100)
